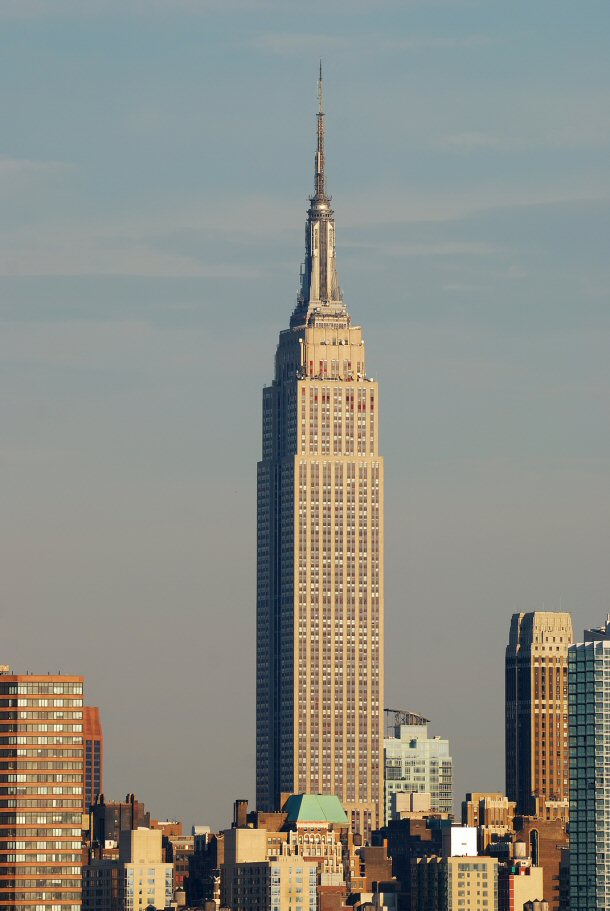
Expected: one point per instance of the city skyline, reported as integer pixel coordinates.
(473, 217)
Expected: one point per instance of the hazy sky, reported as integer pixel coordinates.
(155, 161)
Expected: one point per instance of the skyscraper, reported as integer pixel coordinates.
(537, 759)
(41, 801)
(320, 547)
(589, 720)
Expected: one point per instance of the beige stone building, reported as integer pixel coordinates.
(279, 884)
(247, 846)
(537, 754)
(491, 813)
(488, 808)
(320, 549)
(520, 884)
(144, 879)
(256, 879)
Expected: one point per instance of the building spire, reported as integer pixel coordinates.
(319, 176)
(320, 295)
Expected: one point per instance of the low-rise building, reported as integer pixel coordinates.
(488, 808)
(137, 879)
(492, 813)
(178, 851)
(109, 819)
(546, 841)
(100, 885)
(313, 830)
(411, 838)
(519, 883)
(454, 883)
(144, 879)
(203, 881)
(281, 883)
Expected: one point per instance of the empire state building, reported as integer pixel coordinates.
(319, 696)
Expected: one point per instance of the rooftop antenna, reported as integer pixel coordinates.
(320, 88)
(320, 151)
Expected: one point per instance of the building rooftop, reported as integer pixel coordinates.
(315, 808)
(598, 634)
(396, 717)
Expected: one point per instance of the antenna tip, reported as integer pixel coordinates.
(320, 86)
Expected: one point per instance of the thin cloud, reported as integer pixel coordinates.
(427, 42)
(465, 286)
(429, 248)
(286, 43)
(412, 205)
(32, 456)
(444, 248)
(289, 43)
(37, 9)
(526, 140)
(48, 9)
(69, 256)
(167, 243)
(18, 166)
(471, 141)
(546, 120)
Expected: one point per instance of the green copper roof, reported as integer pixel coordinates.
(315, 808)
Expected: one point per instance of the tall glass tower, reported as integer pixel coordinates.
(320, 548)
(589, 719)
